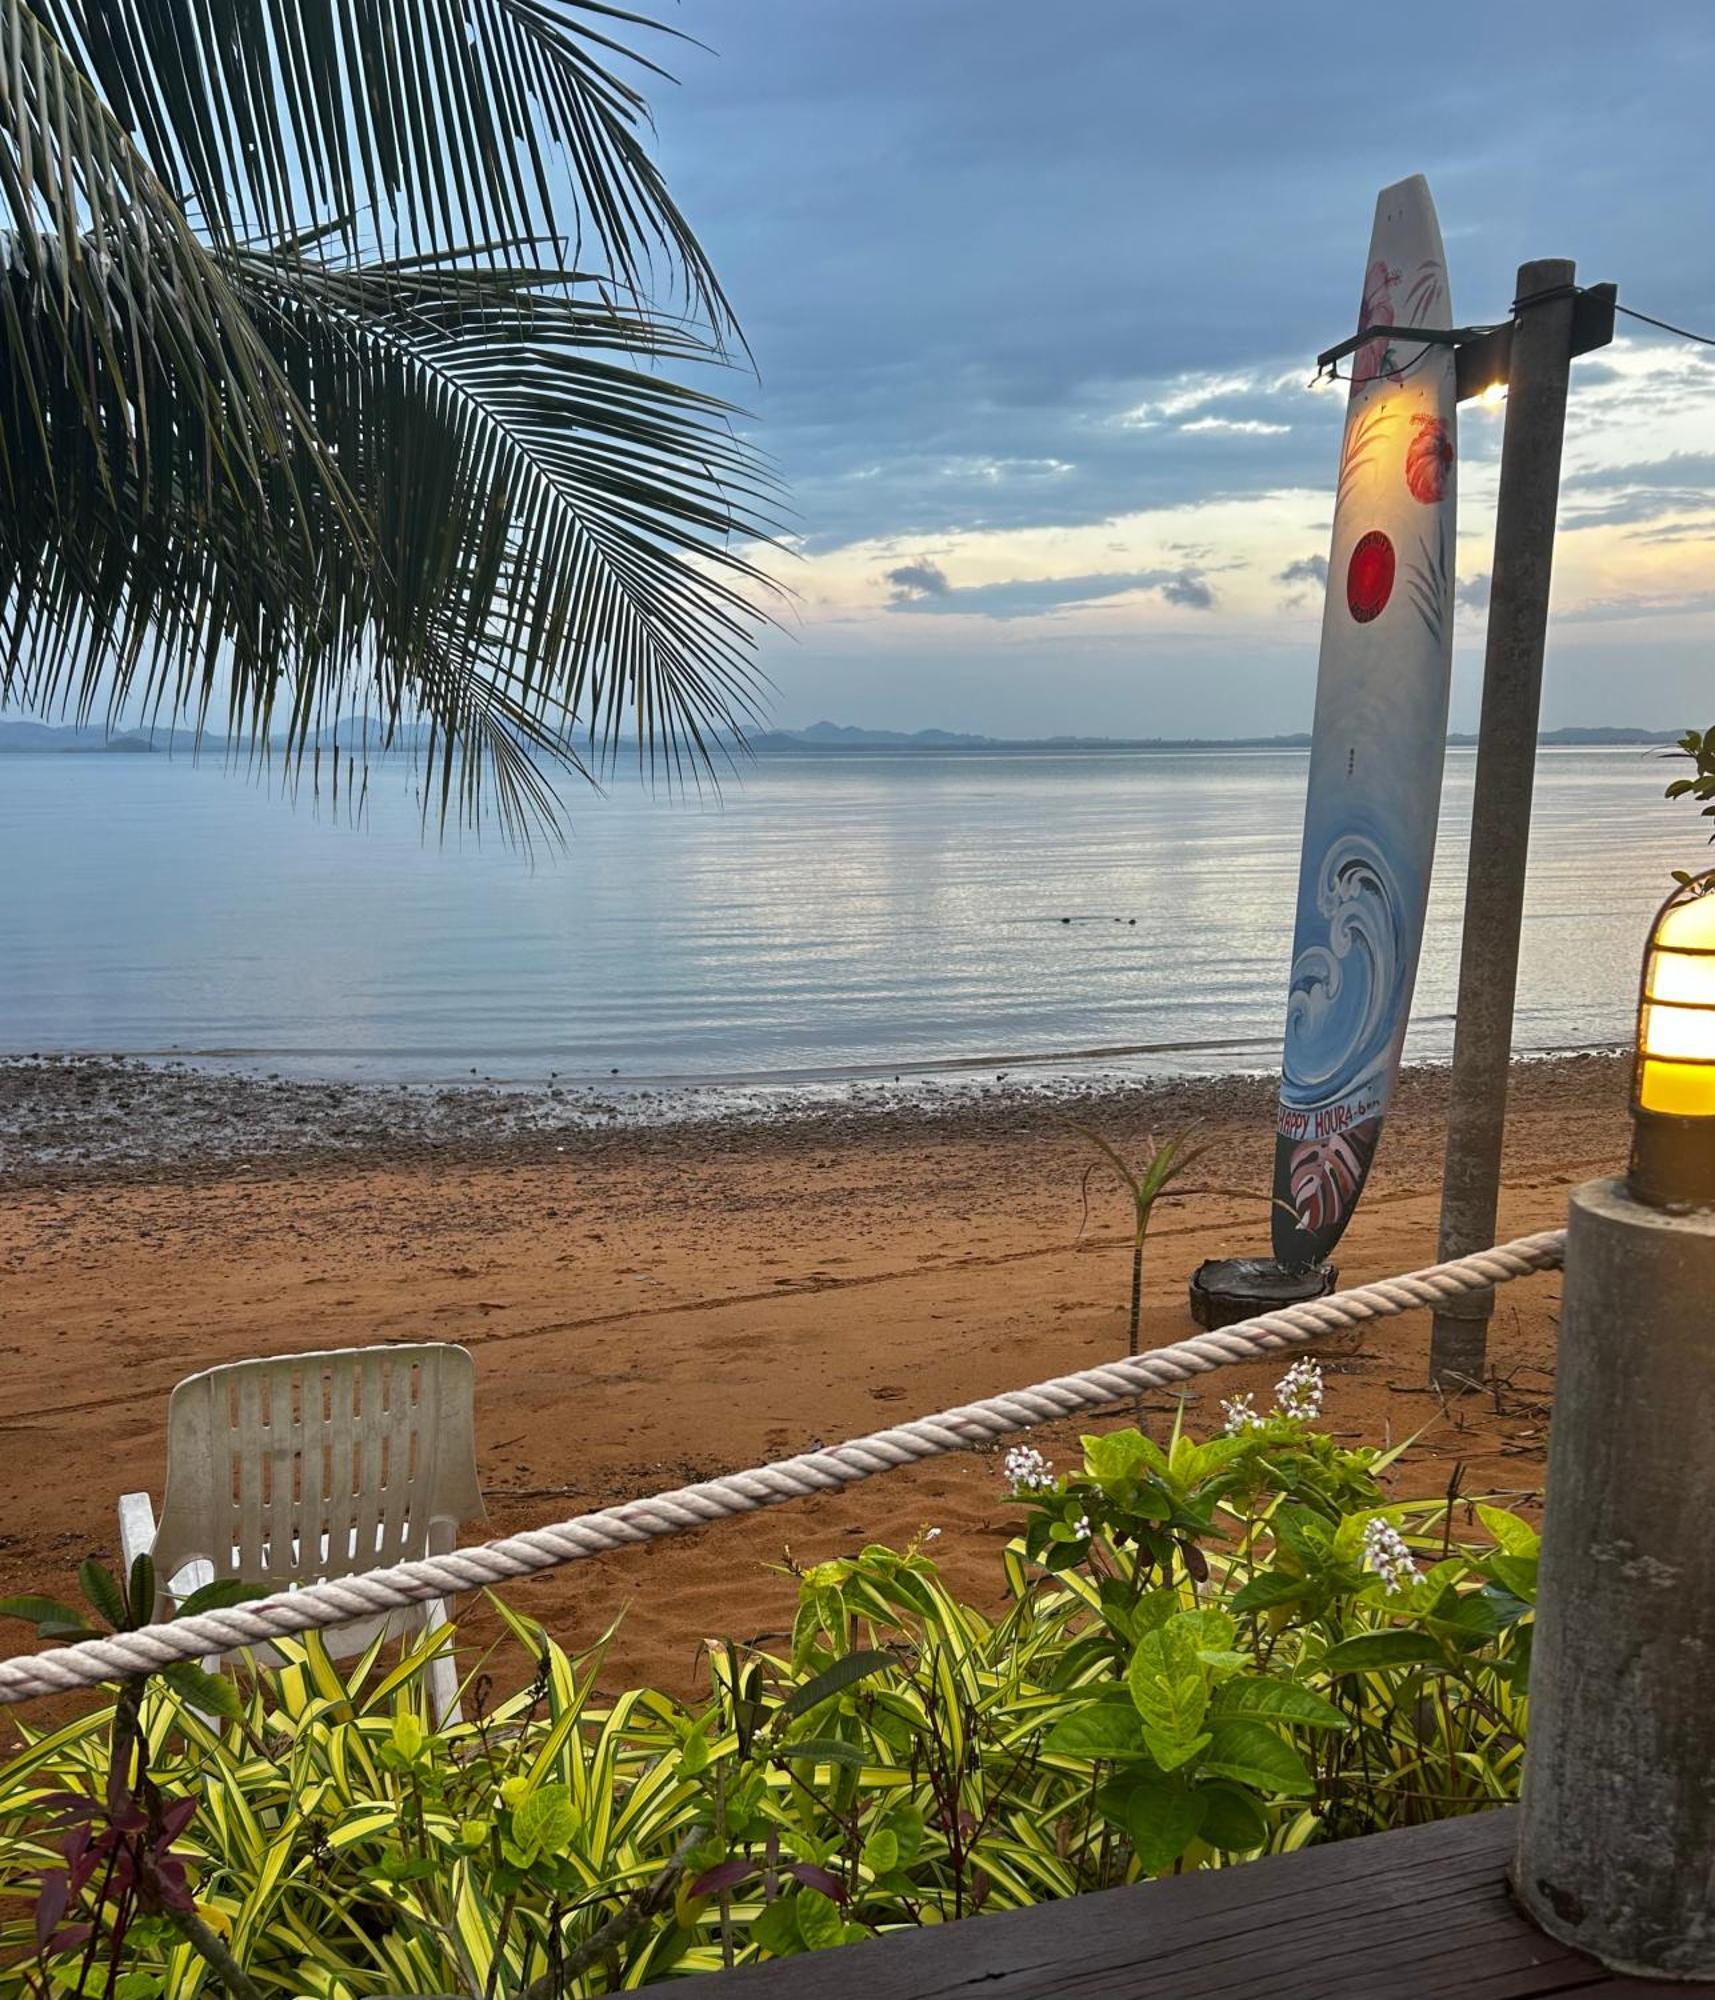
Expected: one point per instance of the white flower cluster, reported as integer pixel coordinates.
(1385, 1553)
(1298, 1393)
(1081, 1527)
(1239, 1414)
(1027, 1471)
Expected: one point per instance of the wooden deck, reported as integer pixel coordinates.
(1420, 1912)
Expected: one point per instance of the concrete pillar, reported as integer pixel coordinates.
(1537, 382)
(1616, 1852)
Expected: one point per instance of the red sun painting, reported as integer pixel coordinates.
(1428, 460)
(1369, 576)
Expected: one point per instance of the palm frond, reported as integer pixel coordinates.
(399, 122)
(248, 460)
(556, 537)
(114, 310)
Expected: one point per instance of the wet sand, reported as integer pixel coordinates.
(653, 1304)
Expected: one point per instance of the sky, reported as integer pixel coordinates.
(1033, 293)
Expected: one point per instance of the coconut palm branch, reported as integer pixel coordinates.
(251, 460)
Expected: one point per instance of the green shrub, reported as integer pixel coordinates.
(1208, 1651)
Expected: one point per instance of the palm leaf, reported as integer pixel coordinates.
(434, 120)
(277, 478)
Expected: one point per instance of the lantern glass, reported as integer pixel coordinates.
(1676, 1021)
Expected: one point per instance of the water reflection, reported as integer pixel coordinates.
(830, 915)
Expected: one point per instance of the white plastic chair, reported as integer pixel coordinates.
(286, 1471)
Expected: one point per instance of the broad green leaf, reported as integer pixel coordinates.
(45, 1611)
(1308, 1536)
(907, 1827)
(1233, 1818)
(408, 1734)
(1212, 1629)
(1268, 1588)
(1152, 1611)
(1121, 1455)
(214, 1694)
(881, 1851)
(1251, 1698)
(1100, 1730)
(833, 1680)
(1371, 1652)
(1252, 1754)
(1173, 1752)
(140, 1592)
(221, 1595)
(1467, 1618)
(775, 1927)
(545, 1820)
(820, 1924)
(1162, 1816)
(1516, 1574)
(101, 1587)
(1514, 1536)
(821, 1750)
(1168, 1682)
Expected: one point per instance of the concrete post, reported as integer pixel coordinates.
(1500, 808)
(1616, 1850)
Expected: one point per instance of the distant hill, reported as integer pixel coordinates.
(835, 736)
(27, 738)
(20, 737)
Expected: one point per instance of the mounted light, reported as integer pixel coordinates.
(1673, 1086)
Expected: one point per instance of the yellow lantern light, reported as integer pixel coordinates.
(1673, 1088)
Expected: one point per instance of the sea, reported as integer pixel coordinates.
(827, 918)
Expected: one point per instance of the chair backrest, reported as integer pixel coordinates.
(306, 1466)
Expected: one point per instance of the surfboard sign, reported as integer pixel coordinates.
(1379, 738)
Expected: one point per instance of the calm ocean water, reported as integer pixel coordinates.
(832, 917)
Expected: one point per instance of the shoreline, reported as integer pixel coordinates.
(76, 1119)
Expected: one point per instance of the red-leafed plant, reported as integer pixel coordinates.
(117, 1850)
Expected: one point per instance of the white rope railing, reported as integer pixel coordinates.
(65, 1668)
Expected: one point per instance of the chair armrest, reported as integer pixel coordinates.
(136, 1527)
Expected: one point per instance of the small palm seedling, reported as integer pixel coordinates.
(1164, 1162)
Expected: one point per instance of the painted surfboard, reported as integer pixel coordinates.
(1379, 738)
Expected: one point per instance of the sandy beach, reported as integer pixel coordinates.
(650, 1304)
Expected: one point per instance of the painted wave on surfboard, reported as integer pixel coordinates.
(1381, 716)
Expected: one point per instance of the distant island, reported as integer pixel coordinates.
(838, 736)
(19, 737)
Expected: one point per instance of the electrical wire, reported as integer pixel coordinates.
(1332, 374)
(1426, 349)
(1683, 332)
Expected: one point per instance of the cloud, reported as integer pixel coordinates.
(1041, 597)
(1701, 530)
(1472, 592)
(1303, 577)
(993, 274)
(919, 579)
(1235, 427)
(1187, 588)
(1682, 482)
